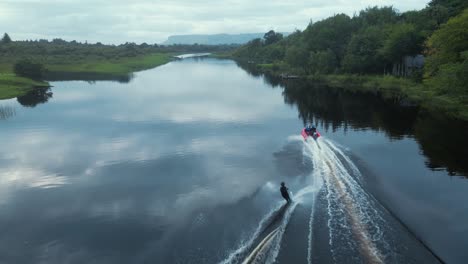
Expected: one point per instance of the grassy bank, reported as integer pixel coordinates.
(12, 86)
(116, 67)
(121, 66)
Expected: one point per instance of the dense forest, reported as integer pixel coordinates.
(378, 41)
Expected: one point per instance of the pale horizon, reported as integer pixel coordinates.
(147, 21)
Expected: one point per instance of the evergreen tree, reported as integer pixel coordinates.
(6, 39)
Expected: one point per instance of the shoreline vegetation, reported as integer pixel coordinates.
(12, 86)
(114, 67)
(418, 57)
(44, 60)
(406, 90)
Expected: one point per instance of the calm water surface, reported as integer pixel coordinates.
(182, 164)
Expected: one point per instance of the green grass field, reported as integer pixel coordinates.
(113, 67)
(12, 86)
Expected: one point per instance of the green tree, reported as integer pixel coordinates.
(446, 68)
(362, 53)
(403, 40)
(274, 53)
(453, 7)
(332, 33)
(6, 39)
(426, 20)
(29, 69)
(250, 50)
(447, 44)
(373, 16)
(297, 56)
(439, 14)
(322, 62)
(272, 37)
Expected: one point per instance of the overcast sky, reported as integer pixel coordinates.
(152, 21)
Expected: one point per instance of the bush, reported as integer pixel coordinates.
(29, 69)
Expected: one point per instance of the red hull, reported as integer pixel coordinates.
(305, 135)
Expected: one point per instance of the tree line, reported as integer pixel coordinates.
(376, 41)
(369, 42)
(44, 48)
(28, 57)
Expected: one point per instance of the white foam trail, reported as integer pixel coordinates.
(276, 245)
(345, 157)
(348, 205)
(298, 198)
(364, 203)
(317, 179)
(309, 237)
(320, 170)
(354, 222)
(313, 188)
(279, 236)
(244, 245)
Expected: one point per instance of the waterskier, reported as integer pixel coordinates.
(285, 193)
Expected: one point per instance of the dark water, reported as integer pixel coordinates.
(182, 164)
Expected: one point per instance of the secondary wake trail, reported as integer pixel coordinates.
(353, 221)
(236, 255)
(270, 253)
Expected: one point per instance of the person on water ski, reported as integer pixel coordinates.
(284, 192)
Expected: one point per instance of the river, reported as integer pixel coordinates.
(183, 163)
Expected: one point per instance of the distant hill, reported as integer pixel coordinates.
(215, 39)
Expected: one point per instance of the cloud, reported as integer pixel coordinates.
(153, 21)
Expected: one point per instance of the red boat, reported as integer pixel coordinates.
(314, 135)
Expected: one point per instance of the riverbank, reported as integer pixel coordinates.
(114, 67)
(12, 86)
(389, 87)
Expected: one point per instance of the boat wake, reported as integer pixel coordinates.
(355, 224)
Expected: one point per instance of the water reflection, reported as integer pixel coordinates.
(253, 71)
(334, 108)
(88, 76)
(38, 95)
(7, 112)
(442, 140)
(179, 170)
(101, 174)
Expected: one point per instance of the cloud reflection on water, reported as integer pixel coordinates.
(134, 159)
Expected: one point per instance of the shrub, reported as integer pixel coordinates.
(29, 69)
